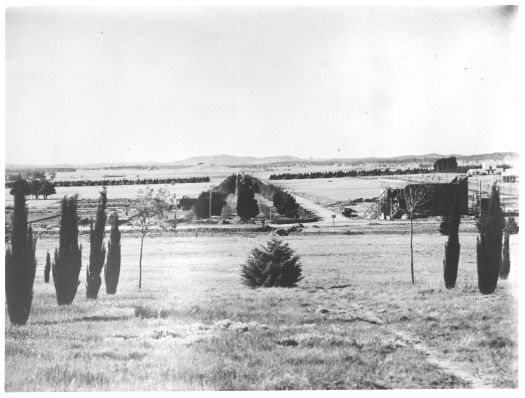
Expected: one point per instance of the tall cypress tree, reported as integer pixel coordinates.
(452, 247)
(68, 256)
(490, 227)
(247, 206)
(97, 252)
(20, 262)
(505, 260)
(112, 267)
(47, 269)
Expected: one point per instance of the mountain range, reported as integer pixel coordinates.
(230, 160)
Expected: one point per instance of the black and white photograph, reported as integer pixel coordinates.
(221, 197)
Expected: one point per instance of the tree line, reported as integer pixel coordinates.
(36, 187)
(362, 173)
(125, 181)
(20, 260)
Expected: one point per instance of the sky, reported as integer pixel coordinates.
(93, 85)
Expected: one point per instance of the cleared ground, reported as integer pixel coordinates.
(355, 321)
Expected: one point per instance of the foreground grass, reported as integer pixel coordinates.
(194, 326)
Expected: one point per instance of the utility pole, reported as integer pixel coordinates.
(479, 196)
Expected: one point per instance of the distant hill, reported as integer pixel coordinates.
(229, 160)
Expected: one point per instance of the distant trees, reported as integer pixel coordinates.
(274, 264)
(38, 186)
(151, 207)
(445, 165)
(68, 257)
(125, 181)
(20, 262)
(490, 226)
(452, 248)
(285, 204)
(228, 185)
(112, 267)
(247, 206)
(187, 203)
(202, 205)
(97, 251)
(347, 173)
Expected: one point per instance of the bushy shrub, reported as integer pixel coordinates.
(490, 227)
(512, 226)
(97, 253)
(505, 260)
(112, 267)
(20, 262)
(273, 265)
(68, 256)
(452, 247)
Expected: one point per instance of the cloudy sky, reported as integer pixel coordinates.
(87, 85)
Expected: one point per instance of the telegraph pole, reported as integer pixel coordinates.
(479, 196)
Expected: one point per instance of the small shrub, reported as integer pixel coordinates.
(273, 265)
(512, 226)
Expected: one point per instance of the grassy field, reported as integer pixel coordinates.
(354, 322)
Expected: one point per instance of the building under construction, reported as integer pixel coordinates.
(426, 199)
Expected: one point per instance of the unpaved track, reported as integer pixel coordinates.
(462, 371)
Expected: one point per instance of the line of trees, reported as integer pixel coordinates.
(124, 181)
(20, 261)
(284, 202)
(444, 165)
(362, 173)
(492, 247)
(36, 187)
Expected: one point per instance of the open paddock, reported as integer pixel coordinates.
(354, 322)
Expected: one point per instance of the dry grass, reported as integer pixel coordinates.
(195, 326)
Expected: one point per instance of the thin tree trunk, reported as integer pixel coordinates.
(140, 261)
(411, 250)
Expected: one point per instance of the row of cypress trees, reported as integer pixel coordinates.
(492, 261)
(68, 257)
(20, 260)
